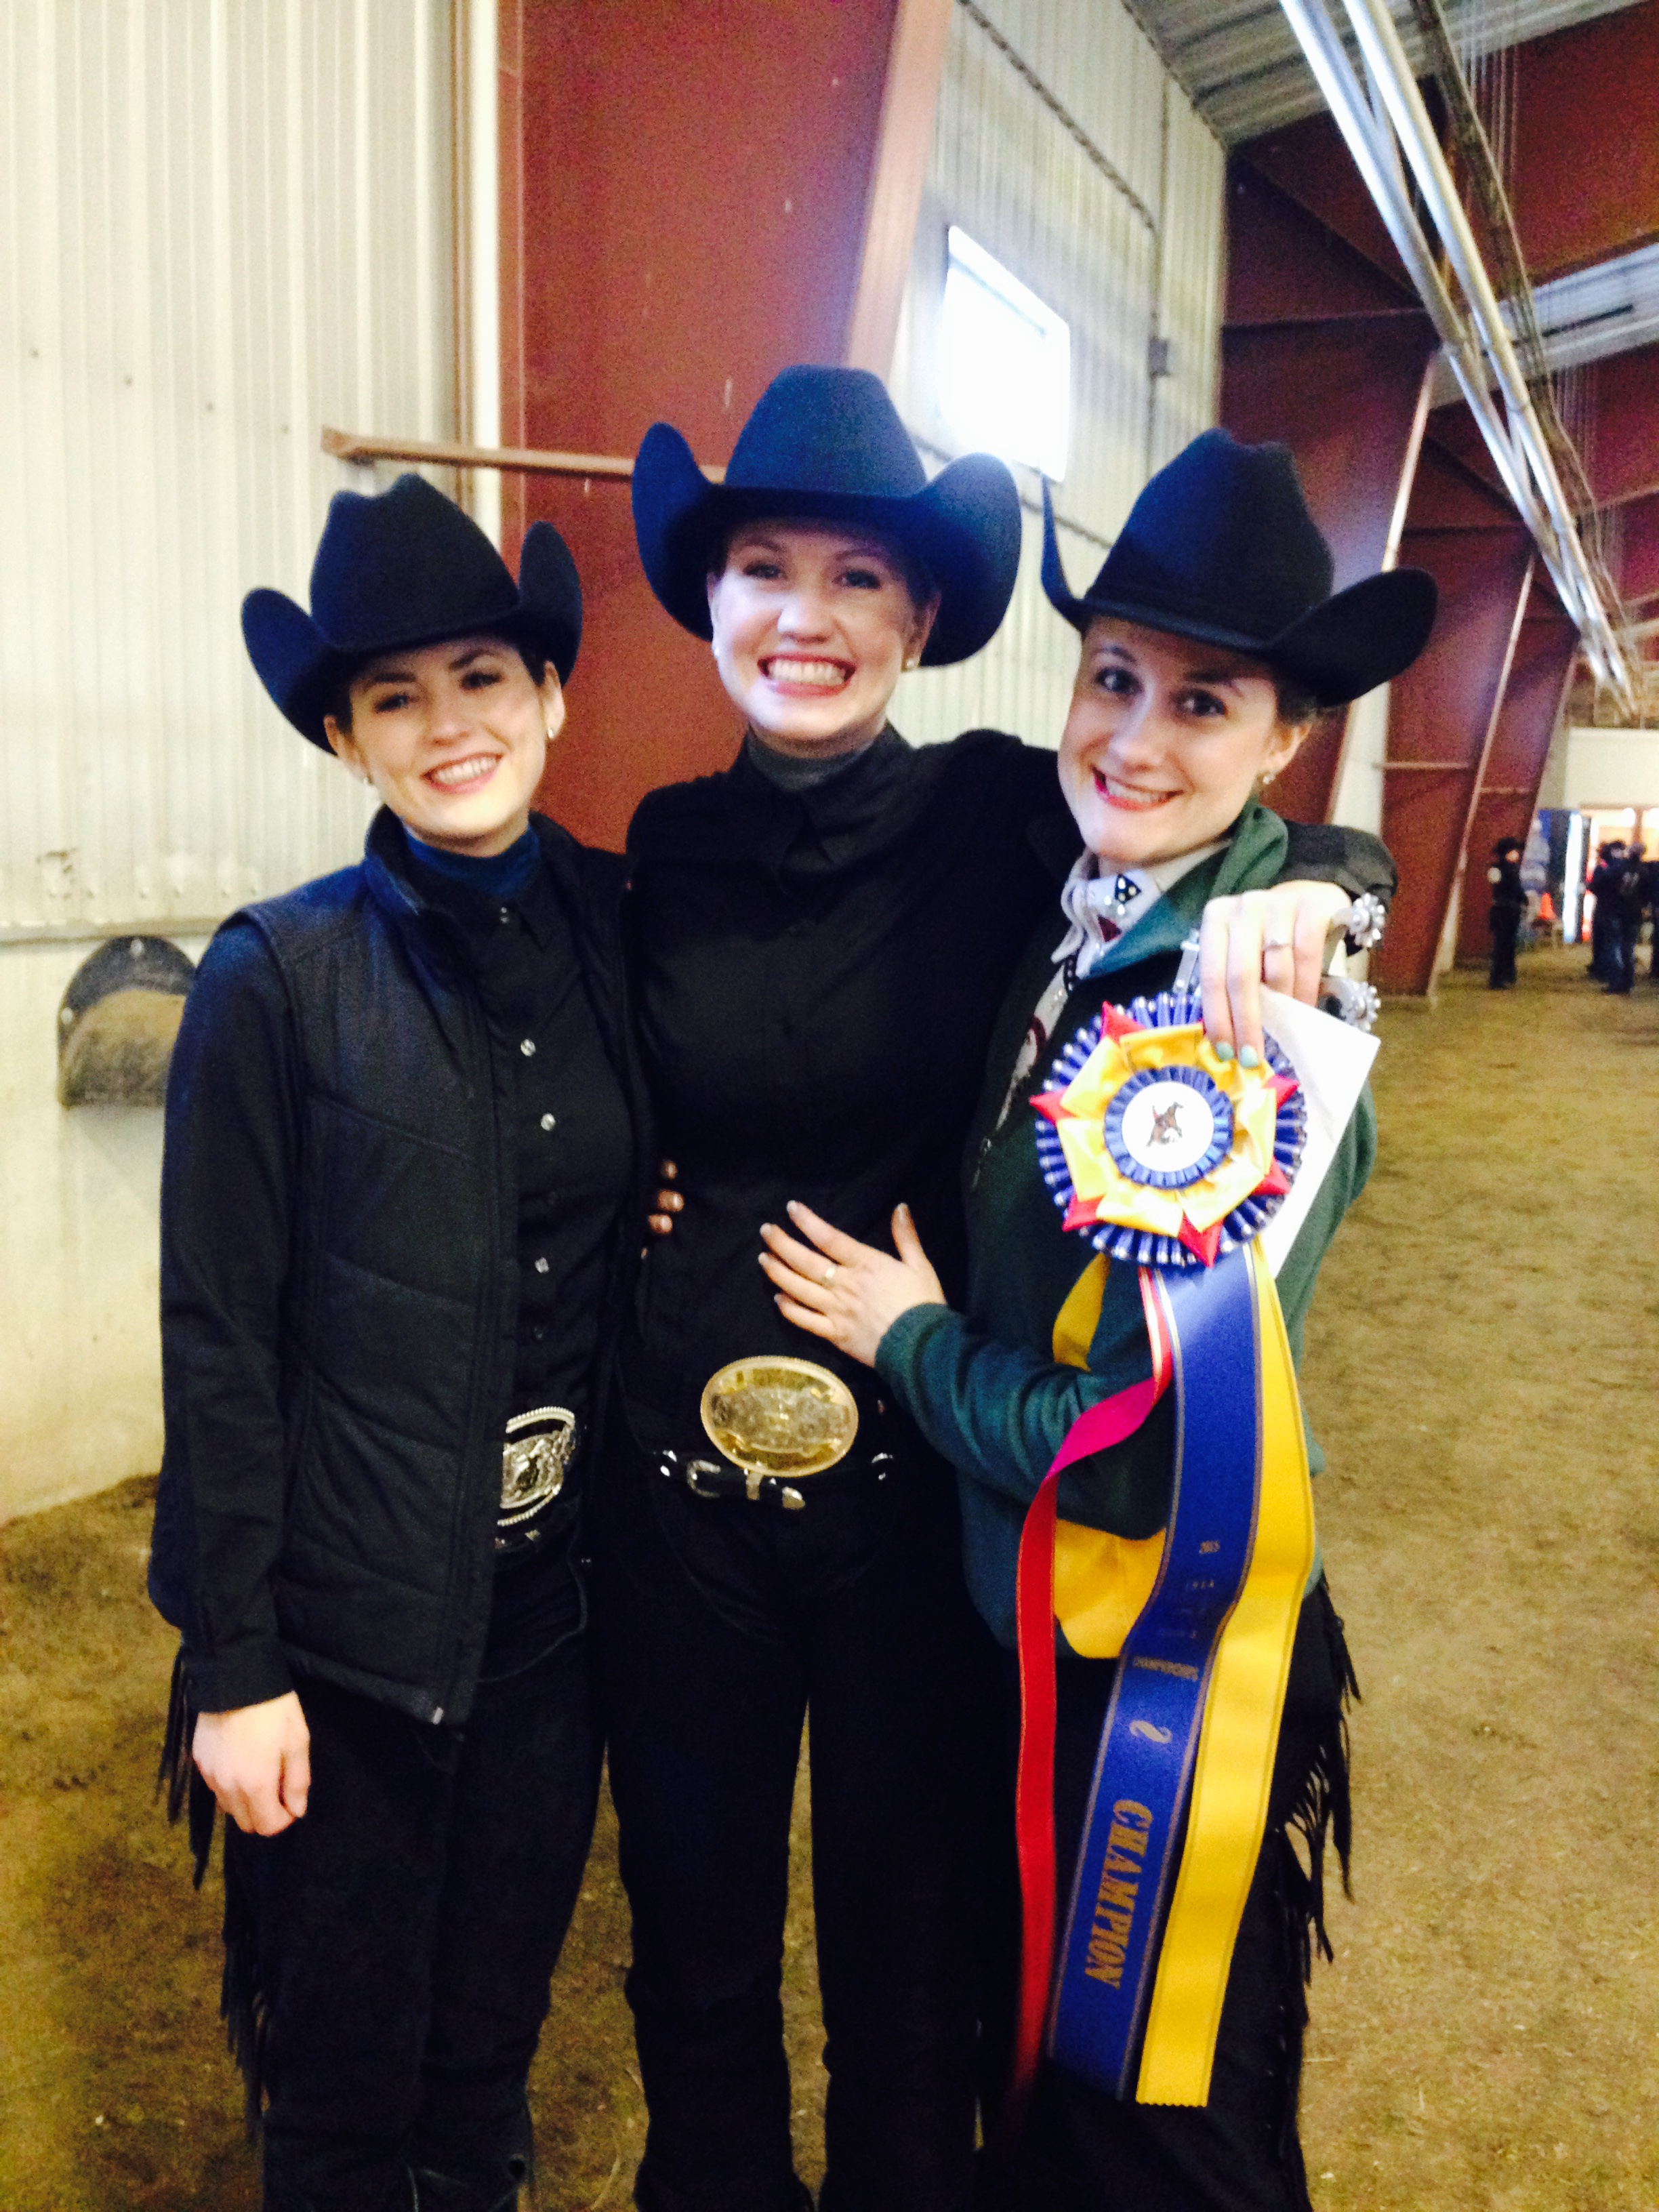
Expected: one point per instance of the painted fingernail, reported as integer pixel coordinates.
(1249, 1057)
(1223, 1051)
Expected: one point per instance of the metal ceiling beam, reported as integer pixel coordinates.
(1385, 125)
(1239, 62)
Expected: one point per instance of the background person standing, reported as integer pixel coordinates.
(1603, 876)
(1508, 906)
(1621, 893)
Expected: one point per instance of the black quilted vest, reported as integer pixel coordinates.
(398, 1326)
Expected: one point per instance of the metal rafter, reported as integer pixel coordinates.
(1386, 126)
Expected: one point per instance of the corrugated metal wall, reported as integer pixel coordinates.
(1064, 147)
(222, 223)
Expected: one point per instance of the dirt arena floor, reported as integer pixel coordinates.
(1481, 1360)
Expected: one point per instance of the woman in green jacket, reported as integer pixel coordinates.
(1210, 640)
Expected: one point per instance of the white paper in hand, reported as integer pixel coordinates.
(1331, 1059)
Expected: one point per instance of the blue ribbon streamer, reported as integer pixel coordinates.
(1126, 1865)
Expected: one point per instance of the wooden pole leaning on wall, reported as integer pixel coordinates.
(915, 65)
(526, 460)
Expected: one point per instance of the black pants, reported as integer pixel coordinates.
(717, 1625)
(1505, 927)
(1083, 2151)
(1621, 952)
(400, 1939)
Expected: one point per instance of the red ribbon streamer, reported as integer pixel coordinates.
(1095, 1430)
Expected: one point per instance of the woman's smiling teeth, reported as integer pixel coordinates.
(461, 776)
(1129, 794)
(814, 675)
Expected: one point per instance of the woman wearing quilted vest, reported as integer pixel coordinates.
(824, 933)
(1116, 1308)
(401, 1182)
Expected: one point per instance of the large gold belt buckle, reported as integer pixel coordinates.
(535, 1460)
(775, 1415)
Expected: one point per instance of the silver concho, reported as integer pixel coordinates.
(1367, 920)
(1350, 1001)
(535, 1460)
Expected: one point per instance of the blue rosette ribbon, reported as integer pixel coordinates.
(1167, 1157)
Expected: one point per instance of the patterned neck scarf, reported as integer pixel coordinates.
(1100, 907)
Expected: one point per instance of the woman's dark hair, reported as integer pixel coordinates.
(918, 578)
(338, 700)
(1296, 704)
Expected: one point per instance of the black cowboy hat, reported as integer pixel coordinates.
(827, 443)
(404, 569)
(1221, 547)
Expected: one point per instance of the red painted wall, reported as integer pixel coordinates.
(694, 183)
(1586, 169)
(1638, 554)
(1532, 705)
(1623, 458)
(1321, 351)
(1471, 542)
(1309, 161)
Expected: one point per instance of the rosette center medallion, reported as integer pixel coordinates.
(1169, 1128)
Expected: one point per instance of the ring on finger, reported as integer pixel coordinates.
(830, 1273)
(1276, 943)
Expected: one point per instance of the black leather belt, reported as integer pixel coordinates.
(705, 1476)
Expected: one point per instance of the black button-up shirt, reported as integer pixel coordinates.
(571, 1137)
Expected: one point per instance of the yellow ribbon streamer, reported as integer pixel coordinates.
(1102, 1581)
(1239, 1737)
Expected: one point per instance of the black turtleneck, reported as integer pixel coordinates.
(819, 973)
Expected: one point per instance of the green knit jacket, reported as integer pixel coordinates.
(983, 1385)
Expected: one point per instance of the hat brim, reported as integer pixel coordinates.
(964, 526)
(1338, 650)
(304, 671)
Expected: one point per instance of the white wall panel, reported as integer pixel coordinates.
(1193, 231)
(80, 1329)
(222, 223)
(1126, 246)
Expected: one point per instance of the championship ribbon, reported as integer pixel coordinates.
(1169, 1158)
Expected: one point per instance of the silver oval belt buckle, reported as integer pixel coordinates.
(536, 1457)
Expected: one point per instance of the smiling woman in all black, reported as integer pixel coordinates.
(816, 980)
(820, 947)
(400, 1200)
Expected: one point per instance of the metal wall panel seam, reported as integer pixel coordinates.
(1062, 114)
(1006, 167)
(187, 200)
